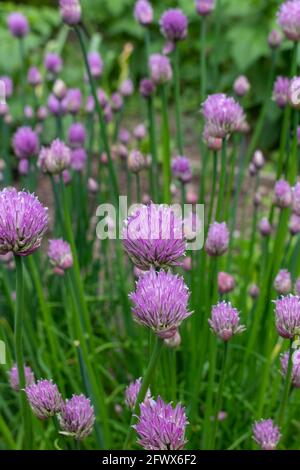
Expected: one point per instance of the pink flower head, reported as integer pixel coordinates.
(288, 17)
(266, 434)
(60, 255)
(225, 321)
(222, 114)
(287, 316)
(217, 239)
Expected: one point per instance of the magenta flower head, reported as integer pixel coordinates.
(18, 25)
(147, 88)
(258, 159)
(136, 161)
(173, 24)
(287, 316)
(288, 18)
(8, 86)
(160, 302)
(222, 114)
(205, 7)
(116, 101)
(296, 199)
(132, 391)
(297, 286)
(253, 291)
(274, 39)
(34, 77)
(60, 256)
(55, 106)
(294, 93)
(225, 321)
(284, 360)
(160, 69)
(217, 239)
(70, 11)
(226, 283)
(23, 222)
(266, 434)
(73, 100)
(53, 63)
(181, 169)
(160, 426)
(140, 132)
(283, 282)
(213, 143)
(42, 113)
(241, 86)
(126, 88)
(76, 135)
(265, 227)
(54, 159)
(78, 159)
(283, 195)
(24, 166)
(96, 64)
(77, 417)
(143, 12)
(14, 377)
(44, 398)
(25, 143)
(153, 236)
(281, 91)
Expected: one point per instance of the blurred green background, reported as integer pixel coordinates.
(243, 48)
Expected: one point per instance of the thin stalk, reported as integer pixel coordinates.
(202, 59)
(144, 387)
(222, 181)
(179, 133)
(213, 189)
(19, 351)
(22, 81)
(153, 148)
(138, 188)
(220, 395)
(166, 147)
(293, 159)
(287, 386)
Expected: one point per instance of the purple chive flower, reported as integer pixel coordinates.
(294, 224)
(288, 17)
(153, 236)
(284, 360)
(283, 282)
(181, 169)
(24, 166)
(59, 89)
(136, 161)
(258, 159)
(23, 222)
(173, 24)
(241, 86)
(44, 398)
(54, 159)
(93, 186)
(297, 286)
(28, 112)
(217, 239)
(287, 316)
(25, 143)
(14, 377)
(116, 101)
(274, 39)
(225, 321)
(213, 143)
(160, 302)
(147, 88)
(18, 25)
(160, 426)
(96, 64)
(205, 7)
(76, 135)
(226, 283)
(132, 391)
(160, 69)
(70, 11)
(264, 227)
(296, 199)
(253, 291)
(53, 63)
(266, 434)
(140, 132)
(281, 91)
(124, 136)
(34, 77)
(90, 105)
(55, 106)
(60, 256)
(77, 417)
(222, 114)
(294, 92)
(78, 159)
(42, 113)
(126, 88)
(73, 100)
(8, 86)
(143, 12)
(102, 97)
(283, 194)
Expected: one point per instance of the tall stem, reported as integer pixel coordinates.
(19, 350)
(22, 81)
(144, 387)
(166, 147)
(220, 395)
(222, 182)
(177, 101)
(287, 386)
(153, 147)
(203, 59)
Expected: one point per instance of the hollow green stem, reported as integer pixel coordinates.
(202, 59)
(287, 386)
(222, 181)
(179, 133)
(166, 147)
(154, 183)
(219, 396)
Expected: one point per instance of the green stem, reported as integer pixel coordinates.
(19, 350)
(222, 181)
(144, 387)
(177, 101)
(166, 147)
(138, 188)
(153, 148)
(287, 386)
(202, 59)
(293, 163)
(213, 190)
(22, 79)
(220, 395)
